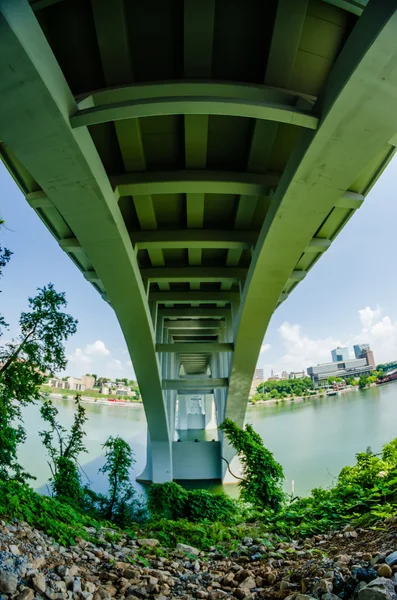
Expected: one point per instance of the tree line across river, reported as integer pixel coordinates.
(279, 389)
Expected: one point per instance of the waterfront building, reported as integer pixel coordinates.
(340, 354)
(71, 383)
(349, 368)
(88, 381)
(369, 355)
(364, 351)
(296, 375)
(359, 350)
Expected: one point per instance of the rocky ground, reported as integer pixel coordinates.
(359, 564)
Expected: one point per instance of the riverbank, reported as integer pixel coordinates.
(273, 401)
(90, 400)
(353, 563)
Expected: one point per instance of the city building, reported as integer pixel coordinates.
(340, 354)
(296, 375)
(258, 375)
(349, 368)
(359, 350)
(71, 383)
(284, 375)
(364, 351)
(88, 381)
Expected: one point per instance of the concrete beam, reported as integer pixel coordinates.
(39, 199)
(188, 297)
(194, 182)
(297, 275)
(194, 348)
(190, 104)
(71, 245)
(350, 200)
(317, 245)
(193, 324)
(193, 238)
(191, 383)
(194, 313)
(205, 274)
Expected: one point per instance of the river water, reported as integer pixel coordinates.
(312, 439)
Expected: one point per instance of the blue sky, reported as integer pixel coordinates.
(348, 297)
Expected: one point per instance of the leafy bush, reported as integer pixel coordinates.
(364, 494)
(64, 448)
(263, 475)
(172, 501)
(204, 506)
(167, 500)
(56, 519)
(121, 506)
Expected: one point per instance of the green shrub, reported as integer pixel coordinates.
(172, 501)
(363, 495)
(167, 500)
(263, 475)
(121, 505)
(56, 519)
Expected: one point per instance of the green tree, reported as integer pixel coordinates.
(363, 381)
(63, 448)
(121, 504)
(25, 363)
(263, 475)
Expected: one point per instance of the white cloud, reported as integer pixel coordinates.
(301, 351)
(98, 348)
(115, 365)
(265, 348)
(380, 332)
(79, 357)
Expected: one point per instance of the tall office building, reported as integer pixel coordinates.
(340, 354)
(360, 349)
(258, 374)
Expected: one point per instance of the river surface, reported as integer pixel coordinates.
(312, 439)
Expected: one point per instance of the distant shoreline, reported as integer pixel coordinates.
(301, 398)
(89, 400)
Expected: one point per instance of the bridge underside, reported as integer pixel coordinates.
(195, 159)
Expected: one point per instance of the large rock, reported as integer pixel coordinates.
(384, 571)
(39, 584)
(148, 543)
(8, 582)
(26, 594)
(378, 589)
(391, 559)
(188, 549)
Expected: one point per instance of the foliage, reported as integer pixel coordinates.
(5, 256)
(55, 518)
(121, 506)
(364, 494)
(24, 363)
(167, 500)
(64, 448)
(283, 388)
(172, 501)
(263, 475)
(363, 381)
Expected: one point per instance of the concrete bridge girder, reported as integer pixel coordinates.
(196, 328)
